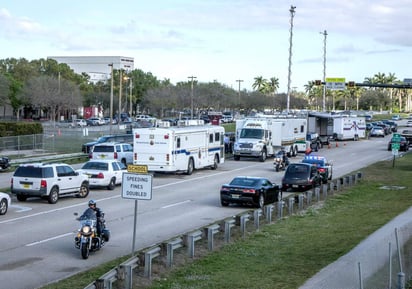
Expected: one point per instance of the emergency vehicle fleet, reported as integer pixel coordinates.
(191, 145)
(263, 136)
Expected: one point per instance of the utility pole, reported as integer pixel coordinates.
(239, 80)
(292, 14)
(191, 95)
(325, 34)
(120, 99)
(111, 97)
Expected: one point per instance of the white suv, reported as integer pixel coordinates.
(123, 152)
(48, 181)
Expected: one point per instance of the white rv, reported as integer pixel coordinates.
(263, 136)
(179, 149)
(337, 126)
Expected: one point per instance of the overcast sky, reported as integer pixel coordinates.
(223, 40)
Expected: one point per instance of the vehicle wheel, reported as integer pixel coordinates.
(356, 138)
(277, 167)
(112, 184)
(263, 156)
(85, 251)
(190, 167)
(3, 207)
(84, 190)
(261, 201)
(53, 196)
(236, 158)
(124, 162)
(21, 198)
(215, 163)
(224, 204)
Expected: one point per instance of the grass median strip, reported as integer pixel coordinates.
(288, 252)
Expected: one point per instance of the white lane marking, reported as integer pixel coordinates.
(49, 239)
(175, 204)
(20, 208)
(54, 210)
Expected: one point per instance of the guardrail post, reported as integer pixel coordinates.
(148, 257)
(347, 181)
(317, 194)
(170, 247)
(125, 271)
(291, 201)
(325, 191)
(243, 219)
(191, 238)
(106, 280)
(211, 231)
(309, 197)
(268, 213)
(280, 209)
(353, 179)
(339, 184)
(300, 202)
(228, 224)
(256, 217)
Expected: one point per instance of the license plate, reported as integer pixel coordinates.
(235, 196)
(295, 186)
(26, 186)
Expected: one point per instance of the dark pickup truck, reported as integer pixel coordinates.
(407, 133)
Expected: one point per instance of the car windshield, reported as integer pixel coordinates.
(251, 133)
(245, 182)
(96, 166)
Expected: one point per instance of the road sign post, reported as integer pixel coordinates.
(137, 187)
(395, 146)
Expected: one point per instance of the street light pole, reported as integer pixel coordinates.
(111, 97)
(239, 80)
(120, 98)
(191, 96)
(324, 33)
(131, 104)
(292, 14)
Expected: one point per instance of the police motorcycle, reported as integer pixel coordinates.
(280, 161)
(87, 238)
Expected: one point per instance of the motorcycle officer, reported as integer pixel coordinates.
(94, 210)
(285, 159)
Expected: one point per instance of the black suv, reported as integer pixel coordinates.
(300, 177)
(4, 163)
(125, 138)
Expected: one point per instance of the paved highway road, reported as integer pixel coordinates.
(37, 238)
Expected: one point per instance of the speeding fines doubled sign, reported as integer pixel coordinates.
(137, 186)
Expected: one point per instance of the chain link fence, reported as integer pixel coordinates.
(55, 140)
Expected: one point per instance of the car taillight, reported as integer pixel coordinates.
(135, 156)
(100, 176)
(90, 156)
(322, 170)
(115, 155)
(167, 157)
(43, 184)
(224, 189)
(249, 191)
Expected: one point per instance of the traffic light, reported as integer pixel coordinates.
(318, 82)
(351, 84)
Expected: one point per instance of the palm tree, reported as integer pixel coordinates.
(259, 83)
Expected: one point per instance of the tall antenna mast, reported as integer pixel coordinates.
(292, 14)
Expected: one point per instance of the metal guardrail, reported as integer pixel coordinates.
(107, 280)
(46, 158)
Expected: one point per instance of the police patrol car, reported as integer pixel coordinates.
(324, 167)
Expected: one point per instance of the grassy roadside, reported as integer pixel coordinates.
(287, 253)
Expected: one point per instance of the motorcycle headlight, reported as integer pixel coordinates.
(86, 230)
